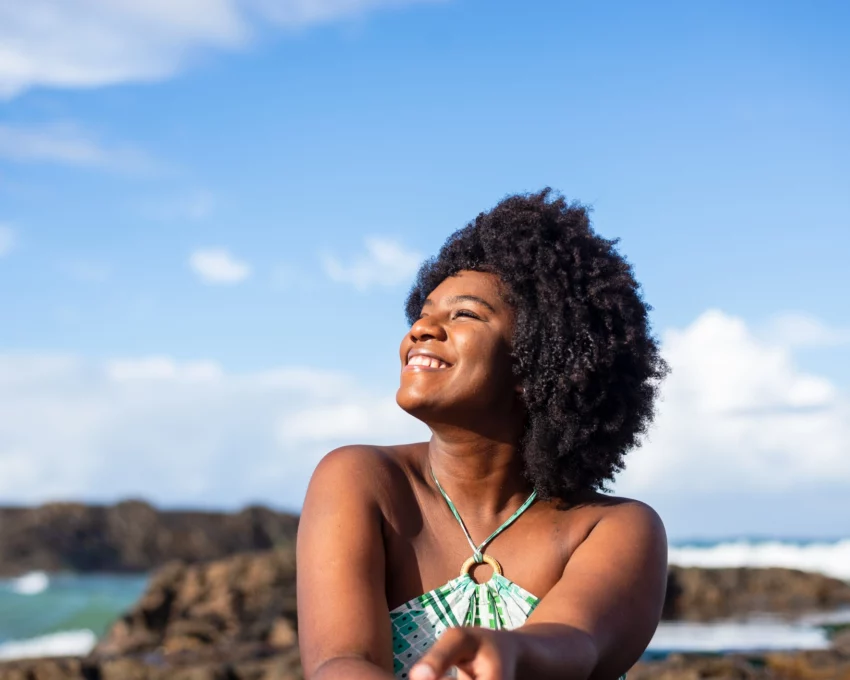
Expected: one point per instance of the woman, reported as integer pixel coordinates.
(531, 360)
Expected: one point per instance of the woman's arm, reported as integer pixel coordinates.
(593, 625)
(611, 593)
(343, 619)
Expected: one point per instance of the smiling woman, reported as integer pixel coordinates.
(489, 551)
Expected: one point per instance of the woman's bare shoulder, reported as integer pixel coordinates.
(628, 509)
(588, 511)
(628, 516)
(364, 469)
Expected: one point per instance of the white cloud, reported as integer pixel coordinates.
(737, 416)
(352, 421)
(7, 239)
(743, 435)
(386, 263)
(177, 433)
(218, 266)
(90, 43)
(794, 329)
(68, 144)
(161, 368)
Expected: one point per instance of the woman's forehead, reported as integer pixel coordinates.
(480, 284)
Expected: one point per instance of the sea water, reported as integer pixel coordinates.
(49, 615)
(61, 614)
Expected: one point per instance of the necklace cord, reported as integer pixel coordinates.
(478, 552)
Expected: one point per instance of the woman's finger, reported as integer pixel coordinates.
(454, 646)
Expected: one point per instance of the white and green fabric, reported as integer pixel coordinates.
(498, 604)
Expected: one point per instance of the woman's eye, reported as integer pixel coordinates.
(466, 312)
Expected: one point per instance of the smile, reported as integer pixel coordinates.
(424, 361)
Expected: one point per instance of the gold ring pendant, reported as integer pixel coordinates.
(497, 568)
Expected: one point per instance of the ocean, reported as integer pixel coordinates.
(53, 615)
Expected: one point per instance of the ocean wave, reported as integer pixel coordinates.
(66, 643)
(728, 637)
(831, 559)
(30, 584)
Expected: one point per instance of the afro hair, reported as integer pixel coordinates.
(583, 349)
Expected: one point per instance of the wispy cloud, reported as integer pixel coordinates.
(177, 432)
(737, 419)
(68, 144)
(218, 266)
(794, 329)
(385, 263)
(90, 43)
(296, 13)
(7, 239)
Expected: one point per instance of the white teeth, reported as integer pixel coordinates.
(426, 362)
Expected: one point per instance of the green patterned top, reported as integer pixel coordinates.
(498, 604)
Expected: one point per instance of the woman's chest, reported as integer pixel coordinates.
(426, 551)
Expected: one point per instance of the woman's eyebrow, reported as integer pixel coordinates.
(463, 298)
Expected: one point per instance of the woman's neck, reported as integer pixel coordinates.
(483, 476)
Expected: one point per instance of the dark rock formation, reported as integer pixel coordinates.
(235, 618)
(243, 599)
(695, 594)
(820, 665)
(231, 619)
(245, 662)
(130, 536)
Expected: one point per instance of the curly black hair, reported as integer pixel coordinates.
(583, 349)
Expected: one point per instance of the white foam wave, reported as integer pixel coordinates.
(724, 637)
(30, 584)
(831, 559)
(66, 643)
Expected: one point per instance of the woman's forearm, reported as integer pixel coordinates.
(350, 668)
(548, 651)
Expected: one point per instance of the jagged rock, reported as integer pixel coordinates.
(695, 594)
(131, 536)
(246, 662)
(210, 616)
(244, 598)
(820, 665)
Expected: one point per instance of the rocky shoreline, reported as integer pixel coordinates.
(221, 605)
(132, 536)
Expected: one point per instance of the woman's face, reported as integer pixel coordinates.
(456, 362)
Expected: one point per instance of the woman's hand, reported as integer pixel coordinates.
(479, 654)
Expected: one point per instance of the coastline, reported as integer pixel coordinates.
(220, 611)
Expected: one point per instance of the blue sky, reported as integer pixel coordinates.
(210, 212)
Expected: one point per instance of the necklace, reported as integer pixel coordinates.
(478, 556)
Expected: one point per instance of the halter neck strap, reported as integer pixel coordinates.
(478, 552)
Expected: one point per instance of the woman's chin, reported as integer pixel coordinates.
(418, 404)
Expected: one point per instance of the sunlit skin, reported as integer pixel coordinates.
(375, 532)
(466, 323)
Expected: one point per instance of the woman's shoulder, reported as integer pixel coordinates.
(376, 473)
(625, 516)
(587, 511)
(370, 459)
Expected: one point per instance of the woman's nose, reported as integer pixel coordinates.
(427, 328)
